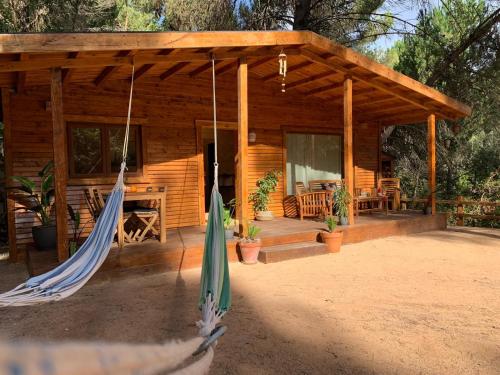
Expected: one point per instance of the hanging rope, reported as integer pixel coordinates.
(216, 163)
(127, 128)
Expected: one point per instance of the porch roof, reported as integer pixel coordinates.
(316, 67)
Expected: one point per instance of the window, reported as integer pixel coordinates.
(96, 150)
(312, 157)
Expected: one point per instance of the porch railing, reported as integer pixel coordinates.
(488, 210)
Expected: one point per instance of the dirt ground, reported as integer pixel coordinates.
(419, 304)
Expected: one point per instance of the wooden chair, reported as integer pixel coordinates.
(315, 204)
(391, 187)
(95, 203)
(317, 185)
(148, 215)
(94, 200)
(300, 188)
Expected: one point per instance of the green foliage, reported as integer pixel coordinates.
(229, 212)
(455, 49)
(40, 202)
(331, 223)
(253, 232)
(342, 198)
(265, 186)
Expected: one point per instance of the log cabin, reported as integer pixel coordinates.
(65, 98)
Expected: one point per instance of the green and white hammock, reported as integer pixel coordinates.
(70, 276)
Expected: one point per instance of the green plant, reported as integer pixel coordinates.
(253, 232)
(265, 186)
(228, 213)
(342, 200)
(331, 223)
(39, 202)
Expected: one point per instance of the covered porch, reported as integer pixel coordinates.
(66, 94)
(282, 239)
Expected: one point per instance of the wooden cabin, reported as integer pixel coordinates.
(65, 97)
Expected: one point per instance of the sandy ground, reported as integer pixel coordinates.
(421, 304)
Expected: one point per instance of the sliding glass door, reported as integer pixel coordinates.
(312, 157)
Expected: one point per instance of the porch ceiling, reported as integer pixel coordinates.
(316, 67)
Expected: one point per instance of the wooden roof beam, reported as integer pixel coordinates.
(147, 67)
(307, 80)
(107, 71)
(226, 68)
(203, 68)
(21, 76)
(174, 69)
(293, 68)
(66, 73)
(88, 62)
(326, 61)
(323, 89)
(260, 62)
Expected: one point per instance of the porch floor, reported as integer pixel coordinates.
(184, 246)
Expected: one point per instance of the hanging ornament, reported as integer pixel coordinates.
(283, 67)
(456, 128)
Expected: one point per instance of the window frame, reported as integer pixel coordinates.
(105, 151)
(308, 129)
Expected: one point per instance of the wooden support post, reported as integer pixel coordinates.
(60, 163)
(7, 147)
(460, 211)
(348, 145)
(431, 159)
(242, 164)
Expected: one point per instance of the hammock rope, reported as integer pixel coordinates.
(70, 276)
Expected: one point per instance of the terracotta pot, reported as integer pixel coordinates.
(333, 240)
(264, 215)
(250, 251)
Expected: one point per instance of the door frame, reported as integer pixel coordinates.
(200, 159)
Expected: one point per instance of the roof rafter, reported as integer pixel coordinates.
(107, 71)
(307, 80)
(66, 73)
(323, 89)
(174, 69)
(379, 86)
(146, 67)
(293, 68)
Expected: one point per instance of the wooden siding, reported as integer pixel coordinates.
(168, 112)
(365, 156)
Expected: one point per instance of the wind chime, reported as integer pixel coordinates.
(282, 71)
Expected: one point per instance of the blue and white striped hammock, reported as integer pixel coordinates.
(73, 274)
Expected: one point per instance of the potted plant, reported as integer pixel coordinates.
(341, 204)
(228, 219)
(331, 238)
(39, 202)
(250, 245)
(260, 198)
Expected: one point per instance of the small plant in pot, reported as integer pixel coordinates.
(250, 245)
(260, 198)
(39, 202)
(332, 238)
(342, 199)
(228, 219)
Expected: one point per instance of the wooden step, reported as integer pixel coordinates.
(279, 253)
(290, 238)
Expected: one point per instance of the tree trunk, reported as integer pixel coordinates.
(301, 14)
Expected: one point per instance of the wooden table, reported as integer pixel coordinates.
(380, 200)
(145, 196)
